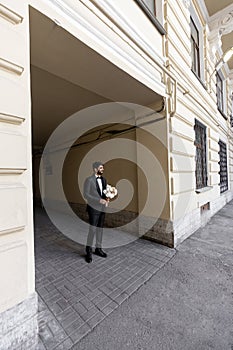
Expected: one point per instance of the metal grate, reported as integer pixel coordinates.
(223, 167)
(231, 120)
(201, 166)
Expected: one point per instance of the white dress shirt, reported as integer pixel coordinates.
(99, 181)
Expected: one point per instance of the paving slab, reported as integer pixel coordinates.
(75, 297)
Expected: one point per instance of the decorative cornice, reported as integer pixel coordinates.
(11, 67)
(5, 171)
(220, 24)
(9, 15)
(7, 118)
(224, 24)
(220, 14)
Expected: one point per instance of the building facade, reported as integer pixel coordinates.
(157, 63)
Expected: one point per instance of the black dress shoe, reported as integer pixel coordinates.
(88, 258)
(100, 252)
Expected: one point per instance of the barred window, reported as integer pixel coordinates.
(201, 166)
(223, 167)
(219, 92)
(195, 49)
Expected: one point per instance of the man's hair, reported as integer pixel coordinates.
(96, 165)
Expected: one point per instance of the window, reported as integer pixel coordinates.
(219, 92)
(223, 167)
(197, 42)
(201, 166)
(195, 49)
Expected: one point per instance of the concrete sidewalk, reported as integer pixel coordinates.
(186, 305)
(75, 296)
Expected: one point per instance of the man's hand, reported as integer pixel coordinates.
(103, 201)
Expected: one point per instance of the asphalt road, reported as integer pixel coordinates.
(187, 305)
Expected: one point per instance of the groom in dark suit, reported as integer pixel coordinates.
(96, 202)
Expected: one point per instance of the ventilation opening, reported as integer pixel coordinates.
(204, 208)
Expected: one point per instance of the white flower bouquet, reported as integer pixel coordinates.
(110, 192)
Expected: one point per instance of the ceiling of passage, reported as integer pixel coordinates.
(68, 76)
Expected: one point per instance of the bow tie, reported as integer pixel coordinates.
(99, 177)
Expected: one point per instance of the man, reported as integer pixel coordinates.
(96, 203)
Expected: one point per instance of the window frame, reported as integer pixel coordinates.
(198, 24)
(221, 94)
(203, 147)
(156, 20)
(195, 50)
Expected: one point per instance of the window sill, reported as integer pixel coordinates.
(204, 189)
(222, 113)
(224, 192)
(199, 79)
(151, 17)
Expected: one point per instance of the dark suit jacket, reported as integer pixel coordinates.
(92, 194)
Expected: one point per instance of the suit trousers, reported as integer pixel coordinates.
(96, 221)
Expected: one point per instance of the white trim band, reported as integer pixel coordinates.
(11, 67)
(9, 15)
(12, 119)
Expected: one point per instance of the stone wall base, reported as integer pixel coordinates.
(120, 218)
(166, 232)
(18, 326)
(187, 225)
(158, 230)
(161, 232)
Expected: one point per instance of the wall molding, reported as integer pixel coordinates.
(11, 67)
(187, 3)
(8, 171)
(10, 15)
(11, 230)
(12, 119)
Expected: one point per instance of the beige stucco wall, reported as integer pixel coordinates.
(115, 170)
(17, 272)
(156, 168)
(194, 101)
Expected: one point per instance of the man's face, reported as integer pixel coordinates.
(99, 170)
